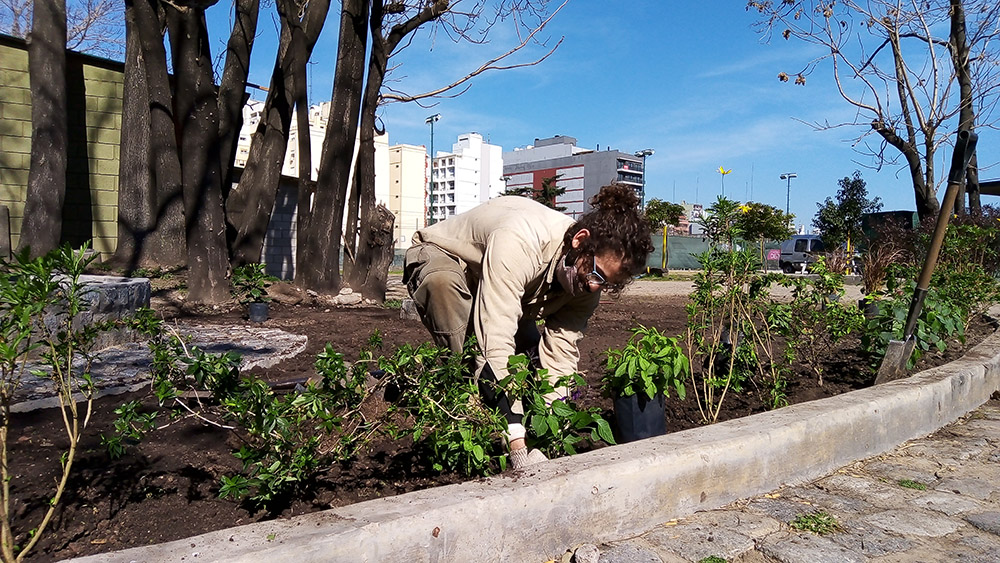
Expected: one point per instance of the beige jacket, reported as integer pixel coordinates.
(511, 246)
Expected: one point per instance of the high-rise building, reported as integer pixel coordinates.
(407, 191)
(581, 172)
(469, 175)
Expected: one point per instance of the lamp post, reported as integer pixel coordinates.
(787, 176)
(643, 154)
(430, 176)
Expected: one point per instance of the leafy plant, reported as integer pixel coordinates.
(557, 426)
(250, 283)
(450, 425)
(728, 336)
(815, 319)
(650, 363)
(712, 559)
(42, 302)
(819, 522)
(910, 484)
(939, 320)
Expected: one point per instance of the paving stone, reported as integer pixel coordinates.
(696, 541)
(946, 503)
(872, 542)
(752, 525)
(915, 469)
(915, 523)
(873, 491)
(986, 521)
(823, 499)
(975, 488)
(981, 548)
(782, 510)
(797, 548)
(629, 552)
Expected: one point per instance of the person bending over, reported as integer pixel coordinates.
(496, 269)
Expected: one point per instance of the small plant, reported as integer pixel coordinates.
(819, 522)
(557, 426)
(41, 304)
(250, 284)
(815, 319)
(909, 484)
(650, 363)
(393, 304)
(713, 559)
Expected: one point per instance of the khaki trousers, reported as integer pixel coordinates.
(441, 289)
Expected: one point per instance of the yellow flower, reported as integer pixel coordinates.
(745, 208)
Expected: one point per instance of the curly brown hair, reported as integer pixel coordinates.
(616, 225)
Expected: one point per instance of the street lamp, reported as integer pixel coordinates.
(788, 189)
(643, 154)
(430, 177)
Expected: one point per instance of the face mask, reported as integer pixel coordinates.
(567, 274)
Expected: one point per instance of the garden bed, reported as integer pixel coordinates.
(166, 488)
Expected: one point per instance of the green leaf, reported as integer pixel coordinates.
(560, 408)
(604, 431)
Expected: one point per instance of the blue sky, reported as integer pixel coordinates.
(690, 80)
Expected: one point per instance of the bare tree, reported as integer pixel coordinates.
(891, 62)
(92, 26)
(367, 248)
(249, 205)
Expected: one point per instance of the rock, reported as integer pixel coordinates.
(285, 293)
(312, 293)
(347, 299)
(346, 290)
(586, 553)
(408, 310)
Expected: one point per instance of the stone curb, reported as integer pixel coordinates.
(613, 492)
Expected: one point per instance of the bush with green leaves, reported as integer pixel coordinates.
(558, 426)
(650, 363)
(43, 332)
(940, 319)
(439, 408)
(816, 319)
(728, 336)
(250, 283)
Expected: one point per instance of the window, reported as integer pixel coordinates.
(802, 245)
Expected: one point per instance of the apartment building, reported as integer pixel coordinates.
(582, 172)
(470, 174)
(407, 190)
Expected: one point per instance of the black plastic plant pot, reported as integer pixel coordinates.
(258, 312)
(638, 417)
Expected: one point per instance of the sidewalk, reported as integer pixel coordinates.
(931, 499)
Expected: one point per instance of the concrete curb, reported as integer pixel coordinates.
(613, 492)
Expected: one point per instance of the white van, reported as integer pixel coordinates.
(798, 252)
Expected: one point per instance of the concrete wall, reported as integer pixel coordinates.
(95, 104)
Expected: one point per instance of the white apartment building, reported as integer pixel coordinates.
(469, 175)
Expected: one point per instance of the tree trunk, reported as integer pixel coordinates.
(166, 242)
(250, 204)
(369, 245)
(375, 253)
(320, 224)
(196, 109)
(136, 197)
(41, 228)
(232, 88)
(959, 46)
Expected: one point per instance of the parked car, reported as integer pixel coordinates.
(798, 252)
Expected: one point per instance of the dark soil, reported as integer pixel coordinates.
(166, 488)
